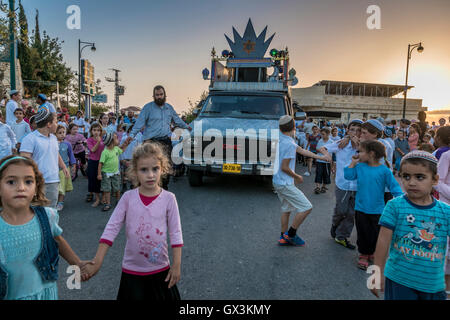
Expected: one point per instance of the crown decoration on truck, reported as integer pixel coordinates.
(249, 45)
(246, 68)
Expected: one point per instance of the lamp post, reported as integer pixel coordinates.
(411, 47)
(80, 49)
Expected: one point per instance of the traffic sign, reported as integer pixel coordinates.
(100, 98)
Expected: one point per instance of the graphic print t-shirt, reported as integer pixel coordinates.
(419, 241)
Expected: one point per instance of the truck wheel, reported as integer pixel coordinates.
(195, 178)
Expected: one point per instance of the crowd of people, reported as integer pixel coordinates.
(403, 231)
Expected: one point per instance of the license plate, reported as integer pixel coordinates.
(233, 168)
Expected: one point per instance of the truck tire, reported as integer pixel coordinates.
(195, 178)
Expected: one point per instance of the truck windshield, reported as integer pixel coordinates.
(244, 107)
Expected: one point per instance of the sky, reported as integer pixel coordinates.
(169, 42)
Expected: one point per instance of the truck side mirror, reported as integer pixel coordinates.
(196, 112)
(300, 115)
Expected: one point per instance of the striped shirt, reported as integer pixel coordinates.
(419, 241)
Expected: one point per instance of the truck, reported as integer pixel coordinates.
(236, 129)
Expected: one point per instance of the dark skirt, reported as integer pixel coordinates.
(151, 287)
(93, 182)
(323, 171)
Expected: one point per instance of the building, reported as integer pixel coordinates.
(343, 101)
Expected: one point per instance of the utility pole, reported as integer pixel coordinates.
(117, 92)
(12, 44)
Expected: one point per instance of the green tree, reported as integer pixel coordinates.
(194, 106)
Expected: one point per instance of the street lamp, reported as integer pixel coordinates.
(411, 47)
(80, 49)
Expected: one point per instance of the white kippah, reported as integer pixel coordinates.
(42, 115)
(285, 119)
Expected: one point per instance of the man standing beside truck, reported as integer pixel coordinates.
(155, 118)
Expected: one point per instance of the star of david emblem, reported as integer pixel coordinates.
(249, 46)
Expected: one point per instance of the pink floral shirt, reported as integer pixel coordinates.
(146, 228)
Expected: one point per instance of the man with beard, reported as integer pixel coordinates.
(155, 118)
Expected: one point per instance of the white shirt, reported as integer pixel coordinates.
(21, 129)
(128, 152)
(45, 152)
(11, 106)
(286, 149)
(7, 140)
(343, 159)
(308, 127)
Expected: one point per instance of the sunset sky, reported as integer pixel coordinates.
(169, 42)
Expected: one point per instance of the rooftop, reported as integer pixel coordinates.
(361, 88)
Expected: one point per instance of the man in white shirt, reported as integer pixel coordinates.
(344, 211)
(11, 106)
(308, 125)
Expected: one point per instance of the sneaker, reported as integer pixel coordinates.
(333, 231)
(295, 241)
(60, 206)
(307, 174)
(345, 243)
(283, 242)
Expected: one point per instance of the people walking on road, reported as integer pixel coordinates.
(66, 153)
(156, 118)
(42, 146)
(150, 215)
(108, 171)
(8, 140)
(78, 142)
(343, 219)
(20, 127)
(30, 235)
(313, 140)
(284, 180)
(411, 247)
(11, 106)
(372, 179)
(323, 168)
(401, 148)
(95, 147)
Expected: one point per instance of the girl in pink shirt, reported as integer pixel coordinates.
(78, 142)
(413, 138)
(95, 146)
(150, 214)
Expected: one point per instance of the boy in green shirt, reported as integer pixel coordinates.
(108, 167)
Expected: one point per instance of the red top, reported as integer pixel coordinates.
(147, 200)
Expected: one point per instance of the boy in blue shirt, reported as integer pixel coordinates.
(413, 235)
(285, 178)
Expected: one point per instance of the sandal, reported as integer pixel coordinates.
(317, 190)
(95, 204)
(106, 207)
(89, 197)
(363, 262)
(371, 258)
(323, 190)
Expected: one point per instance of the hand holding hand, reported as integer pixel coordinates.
(86, 269)
(99, 177)
(66, 173)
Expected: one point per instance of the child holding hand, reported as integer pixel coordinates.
(30, 236)
(150, 214)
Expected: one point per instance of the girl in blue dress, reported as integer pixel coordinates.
(30, 238)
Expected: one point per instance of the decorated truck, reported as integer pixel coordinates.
(236, 129)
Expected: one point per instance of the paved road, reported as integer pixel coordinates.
(230, 229)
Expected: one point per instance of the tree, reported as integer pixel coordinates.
(189, 114)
